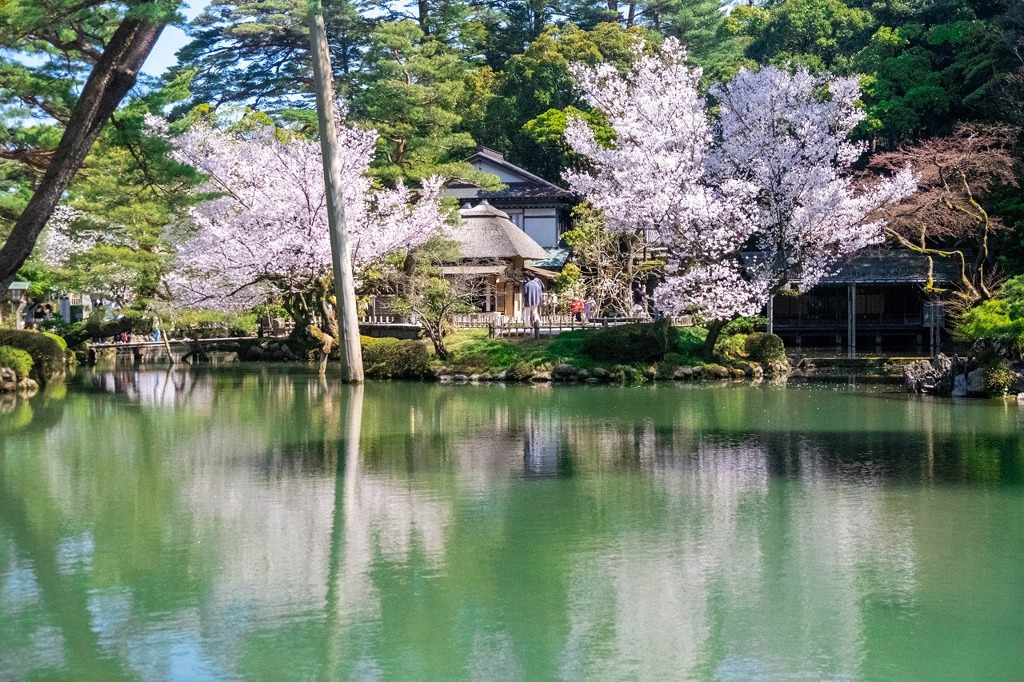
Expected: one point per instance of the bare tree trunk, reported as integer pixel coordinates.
(110, 81)
(341, 256)
(437, 339)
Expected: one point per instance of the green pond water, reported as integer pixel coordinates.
(264, 525)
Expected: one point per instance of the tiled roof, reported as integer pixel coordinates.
(513, 191)
(882, 266)
(891, 266)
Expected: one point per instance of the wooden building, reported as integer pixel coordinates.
(497, 253)
(875, 300)
(537, 207)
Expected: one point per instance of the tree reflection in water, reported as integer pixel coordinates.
(268, 525)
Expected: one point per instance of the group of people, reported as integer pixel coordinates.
(533, 300)
(36, 313)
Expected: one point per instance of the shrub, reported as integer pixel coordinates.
(57, 339)
(73, 333)
(999, 320)
(765, 348)
(743, 325)
(96, 327)
(732, 348)
(668, 366)
(632, 343)
(395, 359)
(47, 356)
(998, 380)
(16, 359)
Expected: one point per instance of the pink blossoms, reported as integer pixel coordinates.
(265, 231)
(768, 173)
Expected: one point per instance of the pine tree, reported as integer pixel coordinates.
(412, 90)
(255, 52)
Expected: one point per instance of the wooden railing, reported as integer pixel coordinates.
(501, 326)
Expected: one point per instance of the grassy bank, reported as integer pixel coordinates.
(473, 351)
(633, 353)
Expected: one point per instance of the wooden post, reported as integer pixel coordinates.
(167, 345)
(341, 257)
(851, 323)
(771, 313)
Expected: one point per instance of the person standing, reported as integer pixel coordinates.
(156, 328)
(576, 309)
(533, 295)
(589, 308)
(638, 296)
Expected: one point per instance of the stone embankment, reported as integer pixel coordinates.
(9, 383)
(959, 378)
(569, 374)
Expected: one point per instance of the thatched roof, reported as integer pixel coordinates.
(486, 232)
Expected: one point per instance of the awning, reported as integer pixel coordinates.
(540, 272)
(473, 269)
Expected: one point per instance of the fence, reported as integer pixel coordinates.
(500, 326)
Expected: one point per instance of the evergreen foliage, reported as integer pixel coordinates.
(435, 78)
(633, 343)
(16, 359)
(47, 356)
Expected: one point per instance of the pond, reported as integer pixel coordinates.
(260, 524)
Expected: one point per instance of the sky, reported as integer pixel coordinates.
(171, 40)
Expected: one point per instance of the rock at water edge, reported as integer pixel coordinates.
(959, 386)
(976, 382)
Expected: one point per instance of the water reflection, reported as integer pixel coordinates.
(265, 525)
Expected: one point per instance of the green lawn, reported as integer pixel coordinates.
(473, 351)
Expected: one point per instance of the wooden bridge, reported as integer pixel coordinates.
(168, 351)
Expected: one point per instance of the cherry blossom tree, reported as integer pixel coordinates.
(767, 174)
(263, 234)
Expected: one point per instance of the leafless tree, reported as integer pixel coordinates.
(948, 218)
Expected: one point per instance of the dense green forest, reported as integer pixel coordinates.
(436, 78)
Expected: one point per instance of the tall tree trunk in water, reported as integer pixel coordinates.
(110, 81)
(714, 331)
(341, 253)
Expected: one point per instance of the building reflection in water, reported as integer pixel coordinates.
(351, 534)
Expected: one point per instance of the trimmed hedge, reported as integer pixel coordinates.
(765, 348)
(395, 359)
(47, 356)
(16, 359)
(57, 339)
(631, 343)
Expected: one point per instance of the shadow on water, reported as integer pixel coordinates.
(269, 525)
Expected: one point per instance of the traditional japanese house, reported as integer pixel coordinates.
(498, 253)
(537, 207)
(876, 299)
